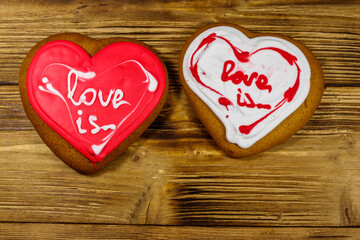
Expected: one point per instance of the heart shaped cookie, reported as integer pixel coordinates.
(90, 99)
(251, 91)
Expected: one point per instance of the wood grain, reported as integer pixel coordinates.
(339, 111)
(93, 231)
(191, 182)
(331, 30)
(175, 175)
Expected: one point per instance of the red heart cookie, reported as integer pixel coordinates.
(95, 102)
(257, 90)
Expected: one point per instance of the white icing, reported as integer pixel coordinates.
(105, 103)
(98, 148)
(149, 78)
(117, 99)
(71, 90)
(51, 90)
(85, 75)
(280, 73)
(96, 129)
(153, 83)
(92, 120)
(79, 121)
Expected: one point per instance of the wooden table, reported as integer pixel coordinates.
(174, 182)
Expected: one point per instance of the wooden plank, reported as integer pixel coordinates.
(339, 111)
(331, 30)
(175, 174)
(307, 181)
(94, 231)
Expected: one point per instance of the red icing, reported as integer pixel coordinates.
(225, 102)
(288, 96)
(194, 68)
(287, 56)
(250, 102)
(239, 77)
(262, 83)
(118, 81)
(240, 55)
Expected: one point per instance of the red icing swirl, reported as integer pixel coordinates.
(261, 81)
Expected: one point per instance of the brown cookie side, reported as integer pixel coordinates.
(60, 147)
(284, 130)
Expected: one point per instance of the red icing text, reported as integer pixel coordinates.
(260, 80)
(238, 77)
(249, 102)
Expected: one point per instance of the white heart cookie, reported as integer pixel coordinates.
(251, 85)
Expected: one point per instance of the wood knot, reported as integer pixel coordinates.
(135, 158)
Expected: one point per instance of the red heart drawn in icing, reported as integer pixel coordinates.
(96, 102)
(250, 84)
